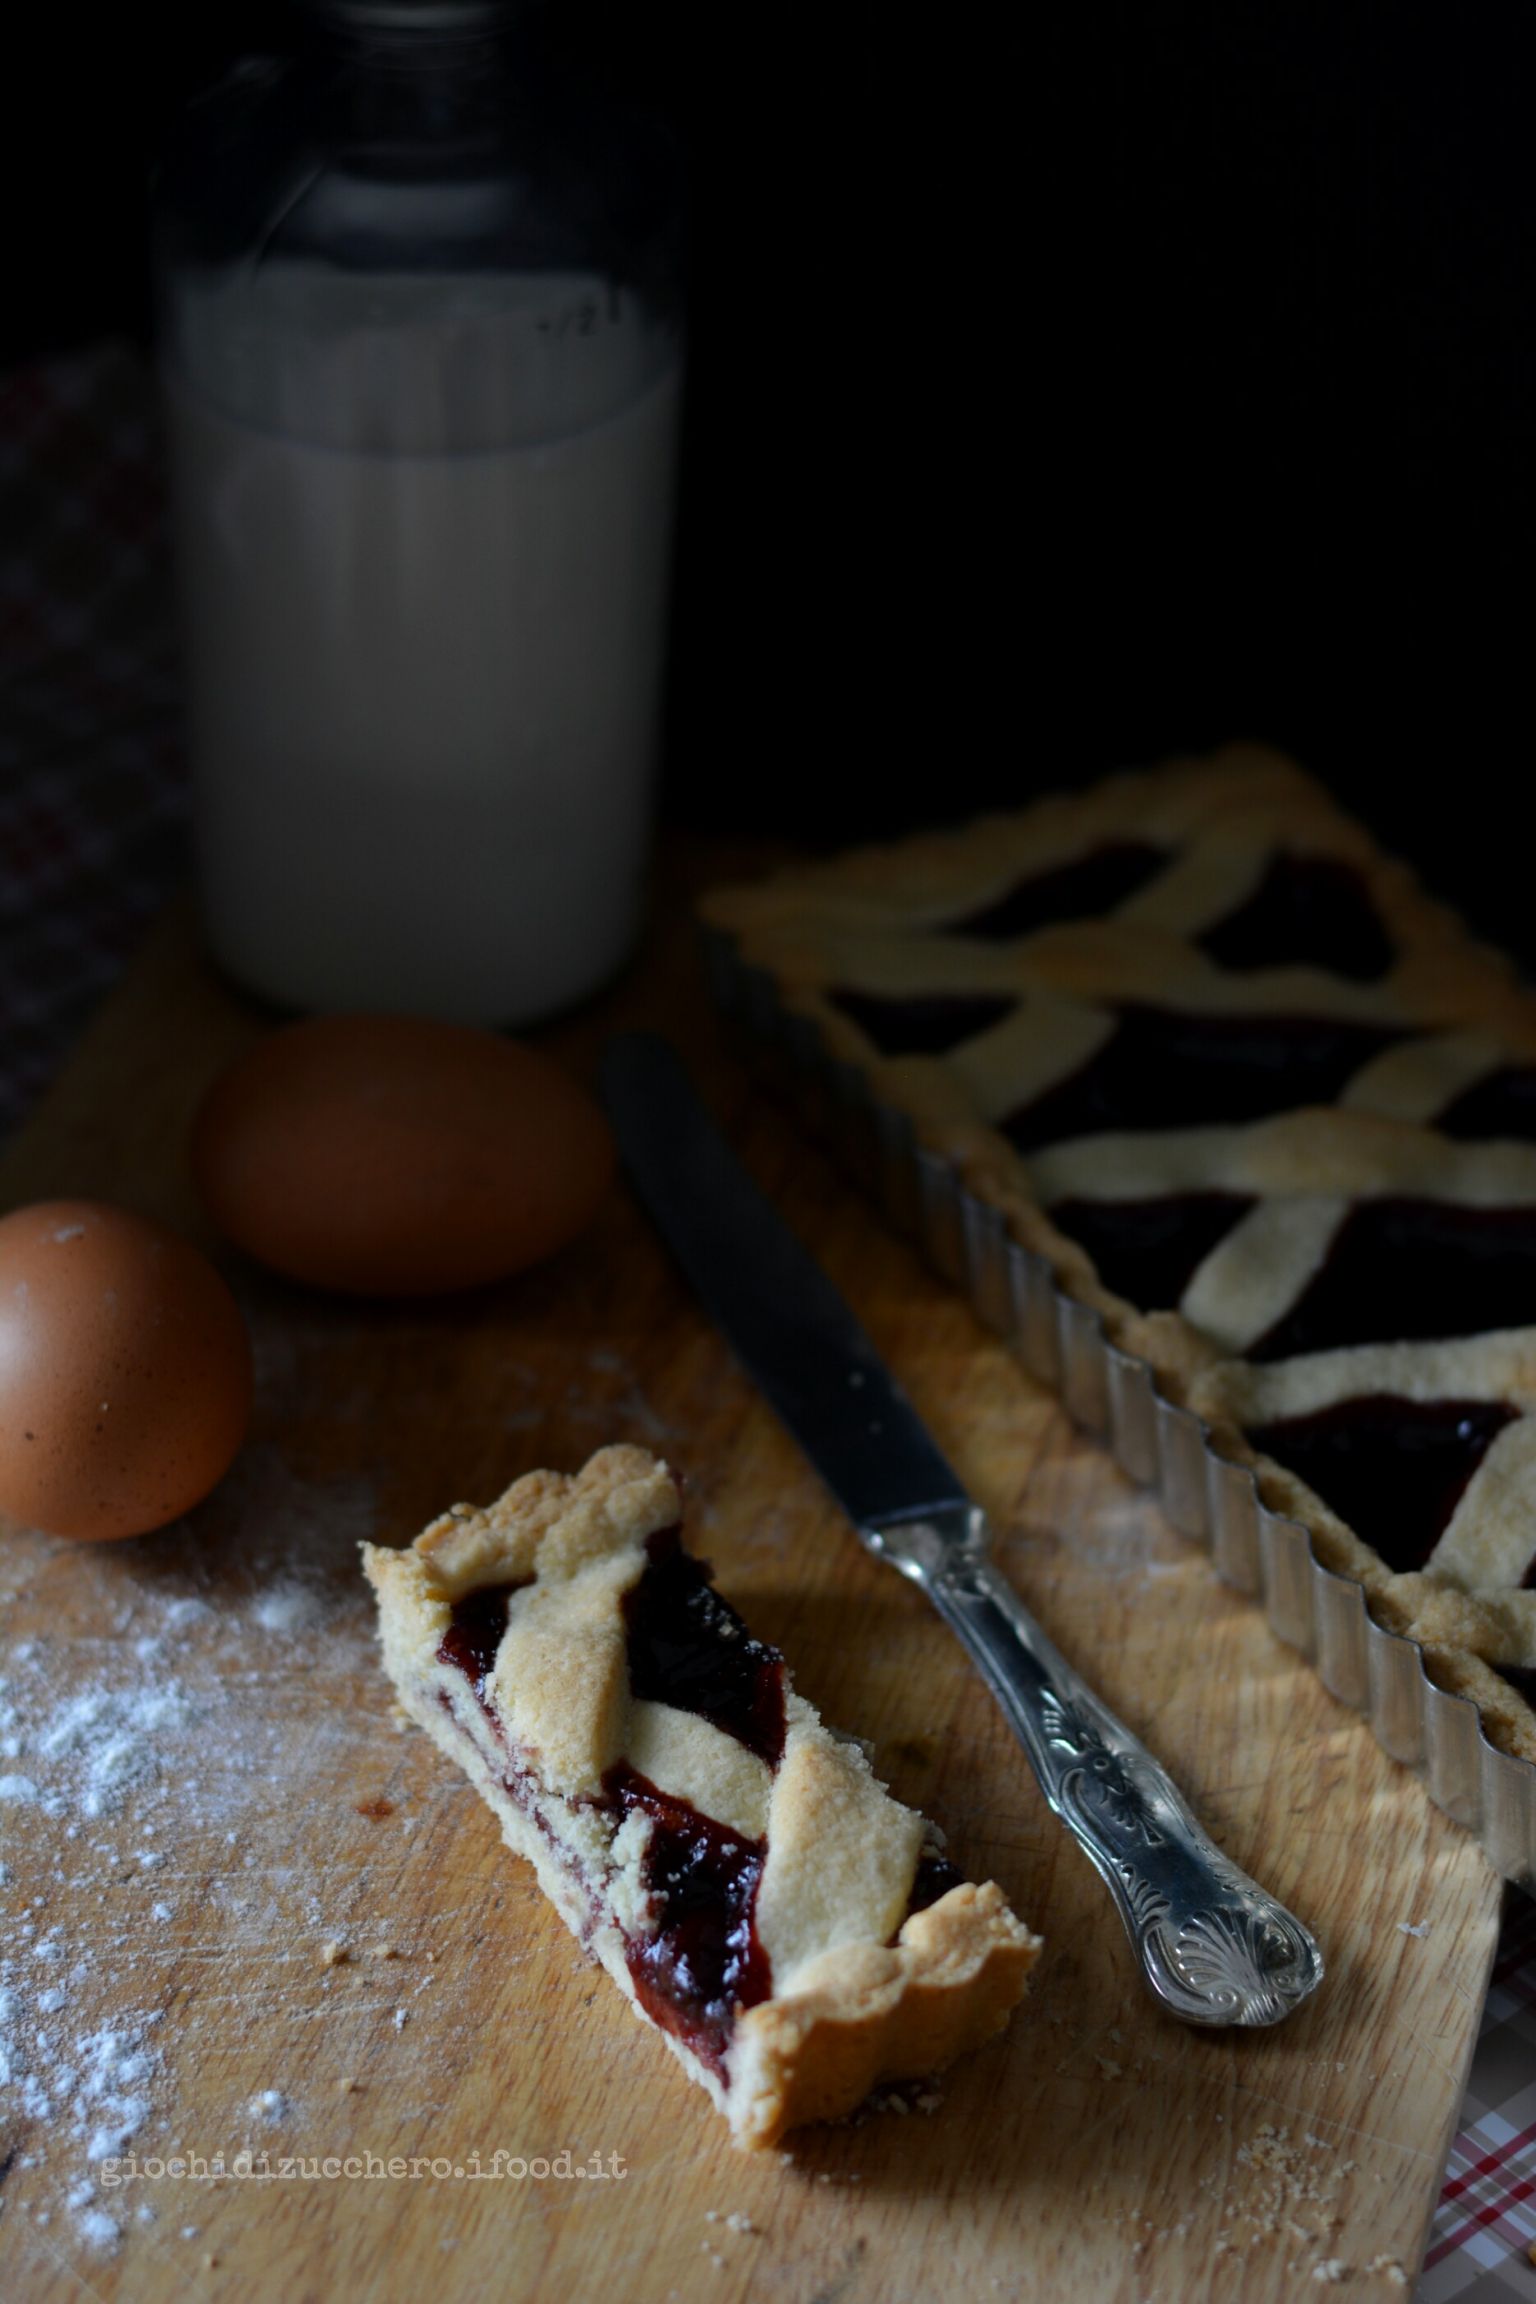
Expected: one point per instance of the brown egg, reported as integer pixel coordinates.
(391, 1156)
(125, 1371)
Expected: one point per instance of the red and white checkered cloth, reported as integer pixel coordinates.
(92, 794)
(92, 841)
(1485, 2224)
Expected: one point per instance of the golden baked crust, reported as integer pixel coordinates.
(1416, 1041)
(863, 1987)
(1466, 1605)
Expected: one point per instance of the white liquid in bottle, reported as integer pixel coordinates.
(423, 565)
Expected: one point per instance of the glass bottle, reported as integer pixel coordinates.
(421, 343)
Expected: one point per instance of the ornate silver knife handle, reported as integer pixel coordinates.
(1213, 1947)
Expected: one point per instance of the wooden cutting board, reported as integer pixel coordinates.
(247, 1914)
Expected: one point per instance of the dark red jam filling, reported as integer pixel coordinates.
(935, 1878)
(1149, 1250)
(1503, 1104)
(1172, 1068)
(472, 1639)
(923, 1023)
(1393, 1469)
(689, 1648)
(1414, 1269)
(1307, 912)
(703, 1964)
(1083, 890)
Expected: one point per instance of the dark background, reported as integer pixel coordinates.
(1067, 387)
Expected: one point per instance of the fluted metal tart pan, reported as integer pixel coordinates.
(1114, 1395)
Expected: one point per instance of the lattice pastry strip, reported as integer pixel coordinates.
(1414, 1466)
(1315, 1230)
(794, 1932)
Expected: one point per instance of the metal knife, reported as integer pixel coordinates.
(1213, 1947)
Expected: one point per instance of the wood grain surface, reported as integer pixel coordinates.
(246, 1913)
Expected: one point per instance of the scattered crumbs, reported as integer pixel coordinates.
(190, 2231)
(1407, 1928)
(1389, 2269)
(740, 2223)
(160, 1912)
(334, 1953)
(271, 2104)
(144, 2213)
(1286, 2195)
(1330, 2271)
(346, 2087)
(402, 2018)
(384, 1952)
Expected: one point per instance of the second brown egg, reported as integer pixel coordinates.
(395, 1156)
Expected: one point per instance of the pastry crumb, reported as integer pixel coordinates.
(334, 1953)
(1408, 1928)
(1330, 2271)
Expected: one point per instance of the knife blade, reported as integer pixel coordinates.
(1212, 1946)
